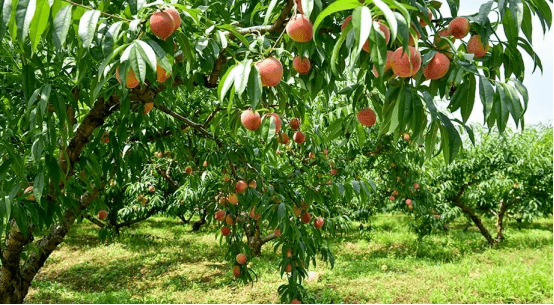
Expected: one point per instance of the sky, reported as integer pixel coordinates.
(540, 86)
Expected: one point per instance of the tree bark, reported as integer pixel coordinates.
(476, 220)
(255, 241)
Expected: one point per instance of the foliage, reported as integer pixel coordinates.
(70, 128)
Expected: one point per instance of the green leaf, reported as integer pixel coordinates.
(484, 11)
(6, 15)
(337, 6)
(510, 28)
(501, 109)
(111, 36)
(523, 92)
(38, 186)
(516, 11)
(136, 5)
(451, 140)
(467, 104)
(269, 11)
(307, 7)
(62, 22)
(23, 16)
(336, 51)
(147, 53)
(87, 27)
(226, 82)
(242, 76)
(39, 23)
(254, 88)
(527, 24)
(362, 23)
(389, 16)
(486, 94)
(233, 30)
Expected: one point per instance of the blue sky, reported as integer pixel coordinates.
(540, 86)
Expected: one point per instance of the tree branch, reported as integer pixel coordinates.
(94, 220)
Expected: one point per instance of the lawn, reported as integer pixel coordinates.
(162, 261)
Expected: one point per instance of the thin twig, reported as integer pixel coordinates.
(90, 9)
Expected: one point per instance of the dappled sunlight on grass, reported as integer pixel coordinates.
(163, 261)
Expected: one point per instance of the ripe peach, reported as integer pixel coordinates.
(288, 268)
(299, 137)
(276, 121)
(289, 253)
(241, 186)
(148, 107)
(253, 214)
(151, 189)
(325, 152)
(229, 220)
(283, 138)
(416, 185)
(131, 80)
(236, 271)
(439, 42)
(311, 155)
(277, 232)
(385, 31)
(306, 217)
(392, 198)
(253, 184)
(395, 193)
(459, 27)
(102, 214)
(333, 171)
(404, 65)
(294, 123)
(302, 65)
(300, 28)
(367, 117)
(250, 120)
(406, 137)
(225, 231)
(408, 201)
(241, 258)
(296, 210)
(295, 301)
(437, 67)
(205, 164)
(318, 223)
(175, 15)
(437, 216)
(411, 207)
(161, 74)
(387, 64)
(233, 199)
(162, 24)
(475, 46)
(220, 215)
(188, 170)
(271, 71)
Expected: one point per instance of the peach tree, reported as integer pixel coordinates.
(289, 94)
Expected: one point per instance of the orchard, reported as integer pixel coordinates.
(266, 122)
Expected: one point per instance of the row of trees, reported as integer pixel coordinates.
(74, 138)
(497, 177)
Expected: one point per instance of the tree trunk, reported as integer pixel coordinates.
(255, 241)
(13, 288)
(196, 226)
(500, 220)
(476, 220)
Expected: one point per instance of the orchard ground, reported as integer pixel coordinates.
(162, 261)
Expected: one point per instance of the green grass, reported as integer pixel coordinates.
(162, 261)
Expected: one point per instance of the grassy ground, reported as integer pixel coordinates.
(162, 261)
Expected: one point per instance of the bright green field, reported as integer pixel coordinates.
(162, 261)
